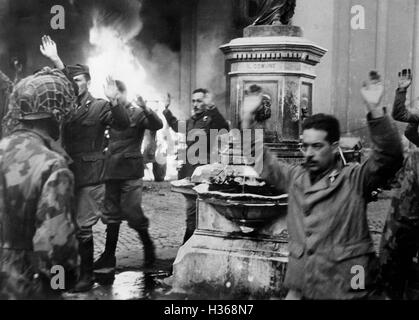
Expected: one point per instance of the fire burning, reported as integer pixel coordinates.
(113, 55)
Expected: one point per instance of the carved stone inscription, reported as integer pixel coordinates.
(271, 67)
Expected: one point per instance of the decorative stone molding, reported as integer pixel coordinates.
(281, 48)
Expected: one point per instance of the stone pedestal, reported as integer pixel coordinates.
(222, 261)
(282, 62)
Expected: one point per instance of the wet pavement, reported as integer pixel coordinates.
(127, 285)
(167, 222)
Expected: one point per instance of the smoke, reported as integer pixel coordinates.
(146, 64)
(148, 67)
(122, 16)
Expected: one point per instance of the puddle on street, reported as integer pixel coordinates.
(127, 285)
(138, 285)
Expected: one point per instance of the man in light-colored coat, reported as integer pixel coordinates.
(331, 253)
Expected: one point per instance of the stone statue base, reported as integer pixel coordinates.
(272, 31)
(284, 67)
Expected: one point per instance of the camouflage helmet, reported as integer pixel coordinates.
(47, 94)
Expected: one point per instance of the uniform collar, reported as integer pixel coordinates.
(129, 105)
(86, 99)
(326, 180)
(199, 116)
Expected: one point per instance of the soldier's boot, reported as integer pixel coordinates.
(148, 247)
(107, 259)
(86, 277)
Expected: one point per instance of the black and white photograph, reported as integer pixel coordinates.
(221, 151)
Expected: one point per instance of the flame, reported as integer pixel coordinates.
(113, 55)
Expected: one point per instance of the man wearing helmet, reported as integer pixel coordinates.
(37, 229)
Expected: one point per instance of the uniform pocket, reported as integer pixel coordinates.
(88, 169)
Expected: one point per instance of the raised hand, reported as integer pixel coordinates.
(49, 50)
(372, 92)
(111, 90)
(250, 104)
(405, 78)
(140, 101)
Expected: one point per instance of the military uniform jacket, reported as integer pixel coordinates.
(84, 138)
(210, 119)
(327, 222)
(399, 248)
(36, 216)
(402, 114)
(124, 160)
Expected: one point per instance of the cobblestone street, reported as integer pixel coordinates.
(165, 210)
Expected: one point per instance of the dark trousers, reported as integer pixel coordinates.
(123, 202)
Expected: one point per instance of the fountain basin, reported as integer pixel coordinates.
(250, 214)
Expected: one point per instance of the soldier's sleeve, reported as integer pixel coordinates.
(114, 116)
(171, 120)
(412, 134)
(400, 112)
(399, 239)
(148, 119)
(54, 239)
(274, 171)
(386, 157)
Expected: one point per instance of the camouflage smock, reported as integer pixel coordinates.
(36, 217)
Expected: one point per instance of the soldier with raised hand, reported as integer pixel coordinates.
(399, 247)
(124, 171)
(401, 112)
(37, 223)
(205, 116)
(84, 140)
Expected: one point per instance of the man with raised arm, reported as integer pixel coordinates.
(329, 239)
(83, 139)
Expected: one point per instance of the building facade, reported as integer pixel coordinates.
(359, 35)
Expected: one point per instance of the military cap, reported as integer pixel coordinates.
(78, 69)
